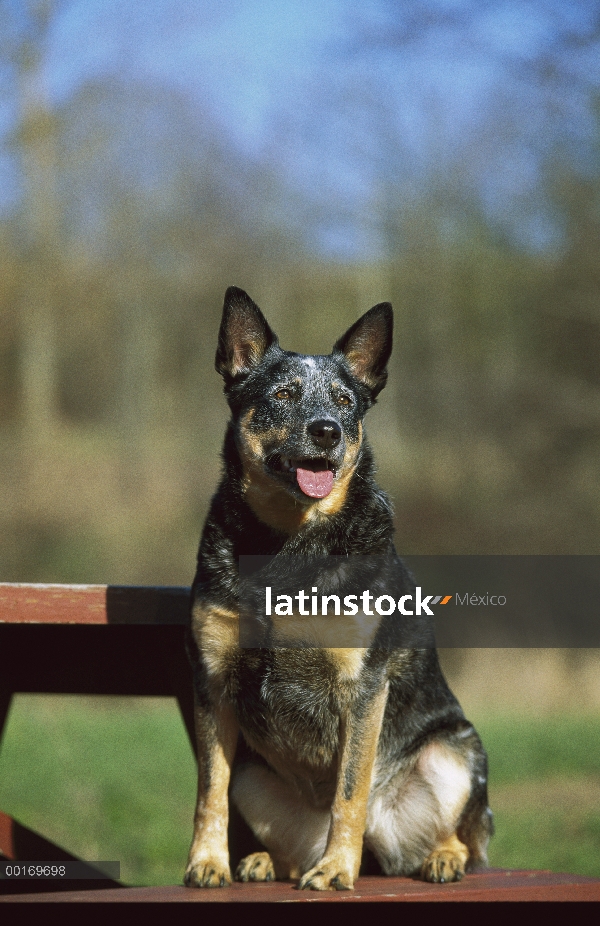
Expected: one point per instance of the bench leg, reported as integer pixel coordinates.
(5, 701)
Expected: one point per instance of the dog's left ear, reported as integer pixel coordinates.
(367, 346)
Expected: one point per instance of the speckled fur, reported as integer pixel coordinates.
(335, 750)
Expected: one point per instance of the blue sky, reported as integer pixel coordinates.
(251, 59)
(325, 91)
(245, 59)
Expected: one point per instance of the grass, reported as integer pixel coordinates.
(108, 779)
(545, 792)
(114, 779)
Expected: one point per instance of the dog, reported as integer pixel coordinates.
(329, 753)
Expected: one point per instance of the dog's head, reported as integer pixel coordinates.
(298, 419)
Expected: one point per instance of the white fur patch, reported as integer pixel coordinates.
(448, 777)
(411, 814)
(294, 833)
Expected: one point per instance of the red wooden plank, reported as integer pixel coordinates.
(494, 885)
(7, 846)
(19, 843)
(92, 604)
(52, 604)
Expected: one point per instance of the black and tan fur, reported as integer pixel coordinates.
(324, 751)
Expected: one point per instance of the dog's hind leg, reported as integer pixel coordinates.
(256, 867)
(416, 823)
(294, 833)
(465, 848)
(447, 862)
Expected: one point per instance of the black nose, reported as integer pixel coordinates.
(325, 433)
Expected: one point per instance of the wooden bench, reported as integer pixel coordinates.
(101, 640)
(94, 639)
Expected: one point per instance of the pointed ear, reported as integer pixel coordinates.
(244, 336)
(367, 346)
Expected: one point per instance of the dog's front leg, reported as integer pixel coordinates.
(359, 737)
(216, 734)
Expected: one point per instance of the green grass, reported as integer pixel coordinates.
(545, 792)
(521, 748)
(114, 779)
(108, 779)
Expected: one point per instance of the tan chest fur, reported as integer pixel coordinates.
(216, 631)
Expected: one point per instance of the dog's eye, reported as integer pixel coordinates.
(283, 394)
(343, 400)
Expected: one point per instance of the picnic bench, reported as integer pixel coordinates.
(127, 640)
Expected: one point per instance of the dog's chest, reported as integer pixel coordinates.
(288, 703)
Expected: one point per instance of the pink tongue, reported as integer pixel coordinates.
(316, 485)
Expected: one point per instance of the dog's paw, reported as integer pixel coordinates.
(256, 867)
(207, 873)
(447, 863)
(330, 875)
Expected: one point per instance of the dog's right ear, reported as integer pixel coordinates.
(244, 336)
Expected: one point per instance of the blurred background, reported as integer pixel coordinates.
(325, 155)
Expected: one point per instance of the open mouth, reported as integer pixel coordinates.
(313, 475)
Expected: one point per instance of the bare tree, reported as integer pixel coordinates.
(23, 49)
